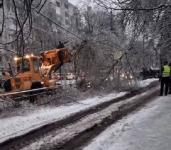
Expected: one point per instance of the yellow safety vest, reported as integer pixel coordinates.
(166, 71)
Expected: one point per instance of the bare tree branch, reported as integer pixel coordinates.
(3, 17)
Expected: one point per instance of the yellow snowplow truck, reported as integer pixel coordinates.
(35, 71)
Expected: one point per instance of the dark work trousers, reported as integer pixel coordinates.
(164, 83)
(170, 85)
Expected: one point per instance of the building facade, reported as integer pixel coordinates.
(67, 14)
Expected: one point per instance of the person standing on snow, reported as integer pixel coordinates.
(170, 80)
(165, 78)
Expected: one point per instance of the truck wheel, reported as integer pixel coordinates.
(7, 86)
(35, 85)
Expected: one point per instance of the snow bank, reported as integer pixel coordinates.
(19, 125)
(145, 83)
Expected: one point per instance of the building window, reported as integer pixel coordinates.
(67, 22)
(66, 6)
(58, 4)
(58, 11)
(66, 14)
(1, 3)
(0, 59)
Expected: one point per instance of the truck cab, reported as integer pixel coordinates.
(27, 74)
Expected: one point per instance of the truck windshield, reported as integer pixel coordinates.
(36, 64)
(23, 65)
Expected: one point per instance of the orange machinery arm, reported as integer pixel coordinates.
(52, 60)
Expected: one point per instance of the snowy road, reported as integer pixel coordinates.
(18, 125)
(56, 118)
(147, 129)
(71, 135)
(68, 132)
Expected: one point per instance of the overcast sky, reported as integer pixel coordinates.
(78, 2)
(74, 1)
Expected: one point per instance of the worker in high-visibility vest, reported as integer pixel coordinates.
(170, 80)
(165, 78)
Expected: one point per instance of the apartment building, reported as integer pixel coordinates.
(67, 14)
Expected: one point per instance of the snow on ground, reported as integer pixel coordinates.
(147, 129)
(144, 83)
(68, 132)
(18, 125)
(21, 124)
